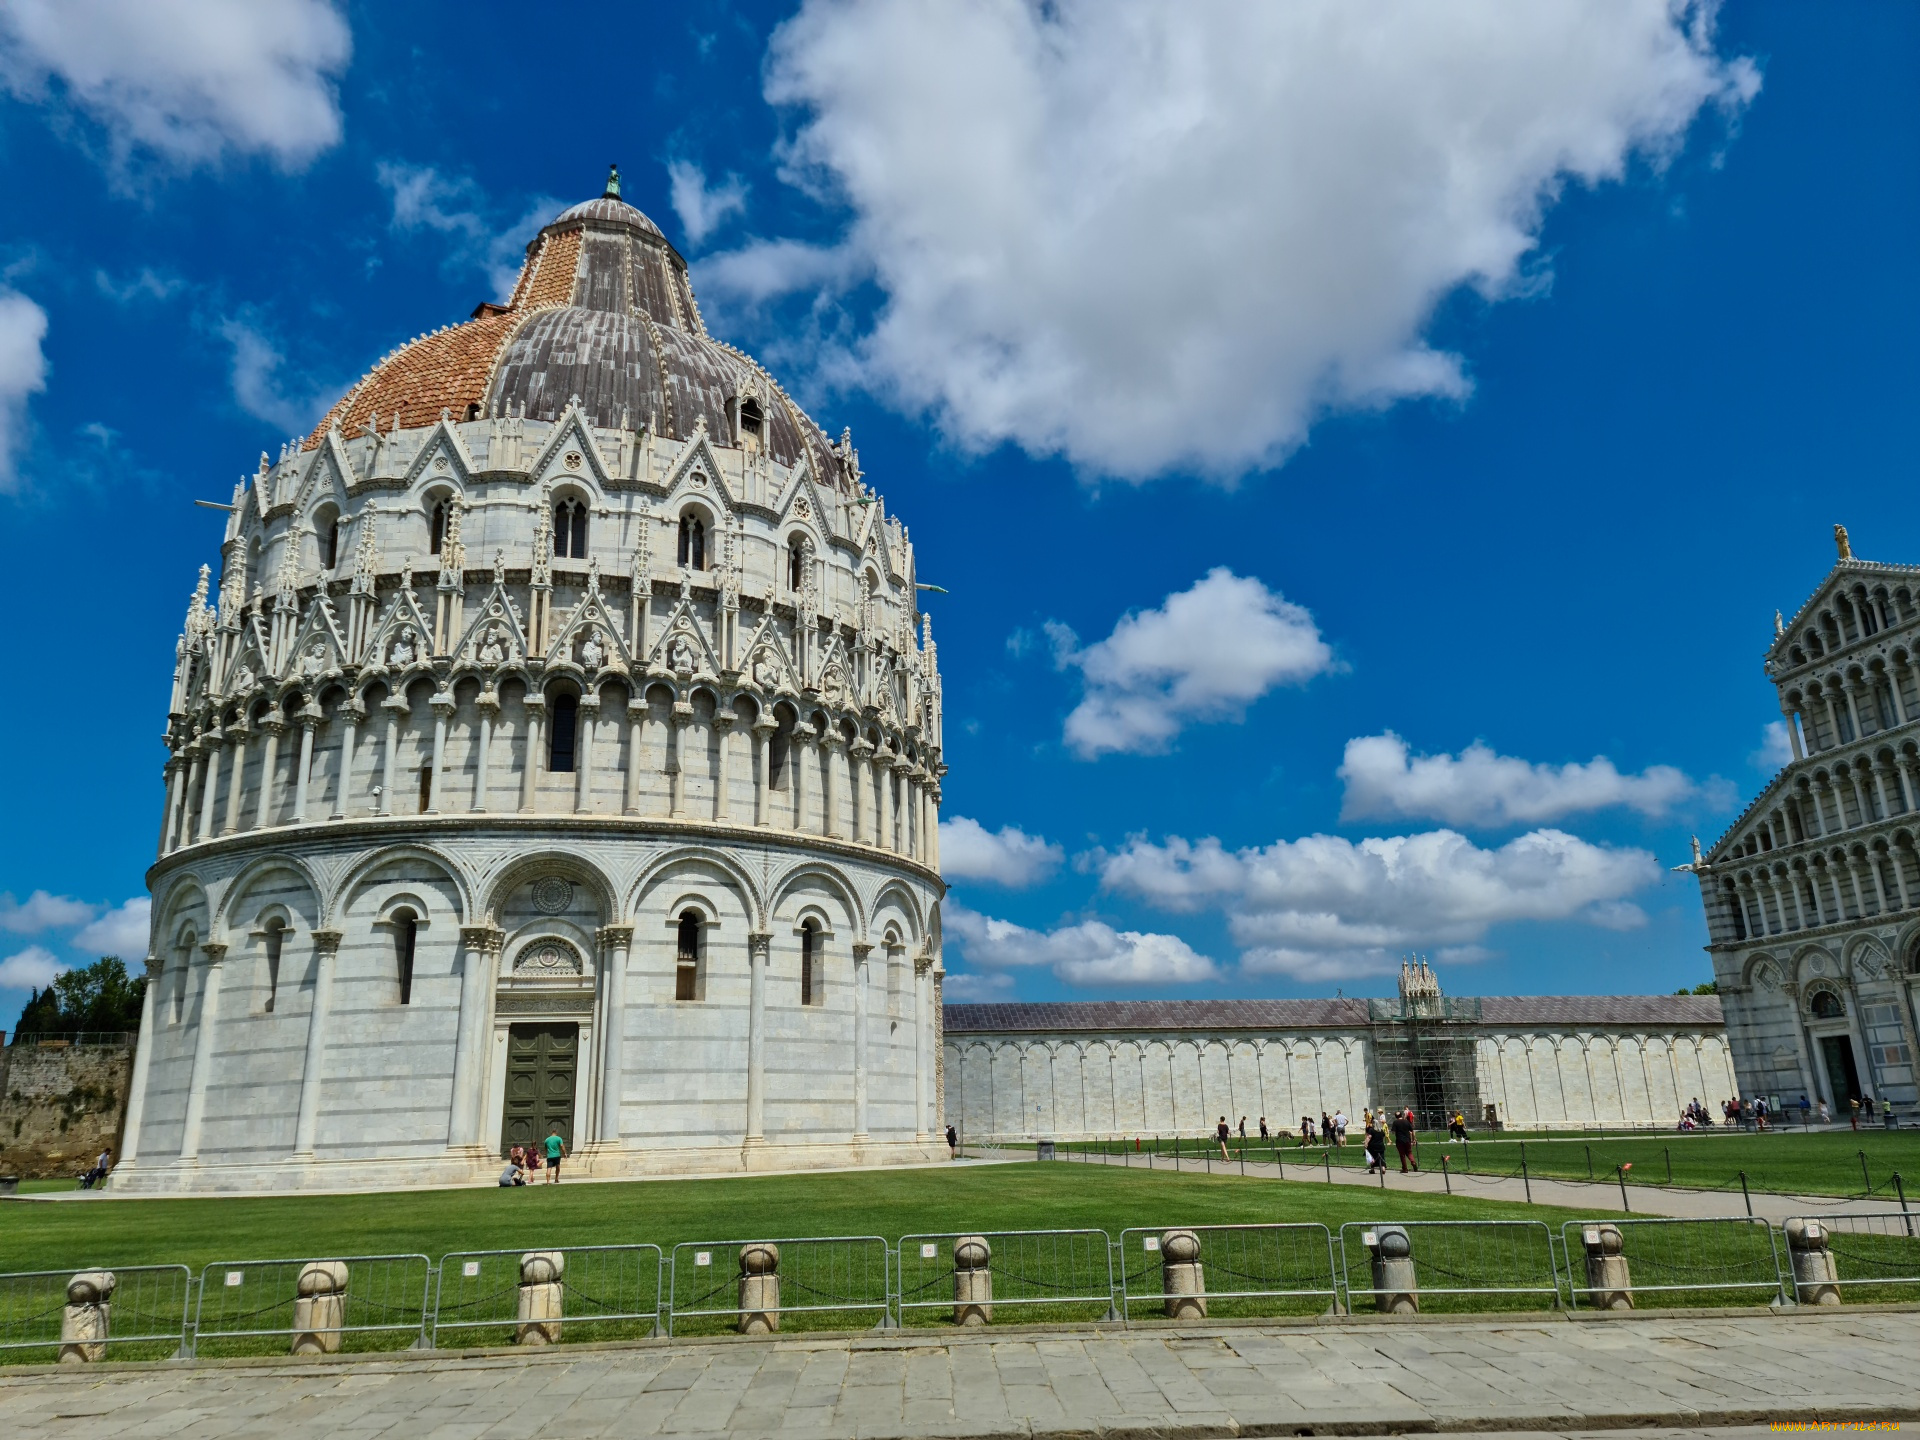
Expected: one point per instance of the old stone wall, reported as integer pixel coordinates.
(60, 1105)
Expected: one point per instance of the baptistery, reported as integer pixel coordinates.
(560, 753)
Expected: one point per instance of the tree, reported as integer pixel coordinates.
(95, 997)
(1712, 987)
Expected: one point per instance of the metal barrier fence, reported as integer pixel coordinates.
(376, 1302)
(1685, 1257)
(1255, 1269)
(142, 1307)
(604, 1292)
(1474, 1260)
(844, 1275)
(1873, 1250)
(1044, 1274)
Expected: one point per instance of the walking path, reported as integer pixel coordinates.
(1598, 1197)
(1534, 1373)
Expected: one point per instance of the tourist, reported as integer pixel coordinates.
(1306, 1131)
(1243, 1130)
(1826, 1115)
(1326, 1128)
(1376, 1149)
(1220, 1133)
(556, 1148)
(513, 1174)
(98, 1174)
(1457, 1128)
(1866, 1104)
(953, 1143)
(532, 1161)
(1340, 1127)
(1853, 1110)
(1805, 1109)
(1263, 1128)
(1403, 1141)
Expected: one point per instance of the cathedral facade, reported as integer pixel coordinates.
(1813, 895)
(559, 753)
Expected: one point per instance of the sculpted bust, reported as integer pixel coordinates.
(593, 654)
(314, 661)
(403, 652)
(493, 646)
(680, 656)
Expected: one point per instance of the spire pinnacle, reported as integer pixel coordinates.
(612, 192)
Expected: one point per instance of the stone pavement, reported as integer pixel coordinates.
(1597, 1197)
(1542, 1373)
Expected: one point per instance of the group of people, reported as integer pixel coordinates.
(524, 1160)
(1406, 1140)
(1332, 1130)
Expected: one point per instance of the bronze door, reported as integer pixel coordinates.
(543, 1064)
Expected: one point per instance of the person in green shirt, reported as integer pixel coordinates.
(556, 1148)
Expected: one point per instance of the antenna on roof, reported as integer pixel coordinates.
(612, 192)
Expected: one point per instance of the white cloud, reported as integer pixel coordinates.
(760, 270)
(1091, 953)
(1204, 654)
(1008, 856)
(703, 208)
(42, 911)
(23, 373)
(1322, 907)
(1153, 235)
(1776, 748)
(148, 284)
(33, 968)
(121, 931)
(189, 80)
(259, 384)
(985, 985)
(452, 206)
(1481, 787)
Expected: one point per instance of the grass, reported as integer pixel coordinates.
(1788, 1162)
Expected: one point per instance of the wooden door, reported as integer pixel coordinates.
(543, 1065)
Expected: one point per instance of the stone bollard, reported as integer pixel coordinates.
(542, 1301)
(1609, 1282)
(1396, 1288)
(1182, 1275)
(759, 1288)
(320, 1308)
(972, 1280)
(1814, 1275)
(83, 1327)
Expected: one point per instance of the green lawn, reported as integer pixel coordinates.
(1788, 1161)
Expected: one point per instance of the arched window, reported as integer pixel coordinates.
(426, 787)
(438, 530)
(686, 976)
(276, 936)
(693, 543)
(1826, 1006)
(779, 751)
(809, 987)
(329, 543)
(752, 426)
(570, 530)
(182, 973)
(406, 931)
(796, 566)
(560, 742)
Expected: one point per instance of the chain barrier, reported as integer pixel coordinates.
(845, 1275)
(317, 1303)
(1681, 1248)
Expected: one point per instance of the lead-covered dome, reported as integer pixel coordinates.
(602, 310)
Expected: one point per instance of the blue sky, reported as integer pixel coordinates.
(1448, 405)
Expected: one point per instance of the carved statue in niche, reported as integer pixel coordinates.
(834, 684)
(765, 673)
(492, 649)
(314, 661)
(593, 654)
(405, 649)
(243, 679)
(680, 656)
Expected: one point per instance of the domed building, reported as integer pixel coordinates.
(562, 753)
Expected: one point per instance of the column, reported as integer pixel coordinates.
(326, 945)
(1810, 815)
(933, 825)
(921, 1025)
(269, 762)
(883, 799)
(443, 706)
(1793, 889)
(395, 706)
(1792, 717)
(860, 984)
(237, 735)
(584, 719)
(1853, 714)
(857, 755)
(615, 943)
(723, 722)
(170, 813)
(309, 722)
(1833, 718)
(479, 951)
(349, 716)
(210, 786)
(676, 760)
(757, 944)
(798, 754)
(536, 738)
(1880, 792)
(1853, 884)
(1899, 872)
(489, 707)
(763, 728)
(636, 753)
(196, 765)
(1879, 889)
(1839, 900)
(142, 1064)
(831, 746)
(202, 1071)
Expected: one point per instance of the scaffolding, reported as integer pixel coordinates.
(1426, 1056)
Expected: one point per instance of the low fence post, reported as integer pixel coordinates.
(1182, 1276)
(1446, 1172)
(1525, 1181)
(542, 1298)
(1396, 1289)
(320, 1309)
(1621, 1171)
(1609, 1281)
(972, 1281)
(1745, 1195)
(1901, 1191)
(759, 1288)
(1865, 1178)
(1813, 1268)
(83, 1325)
